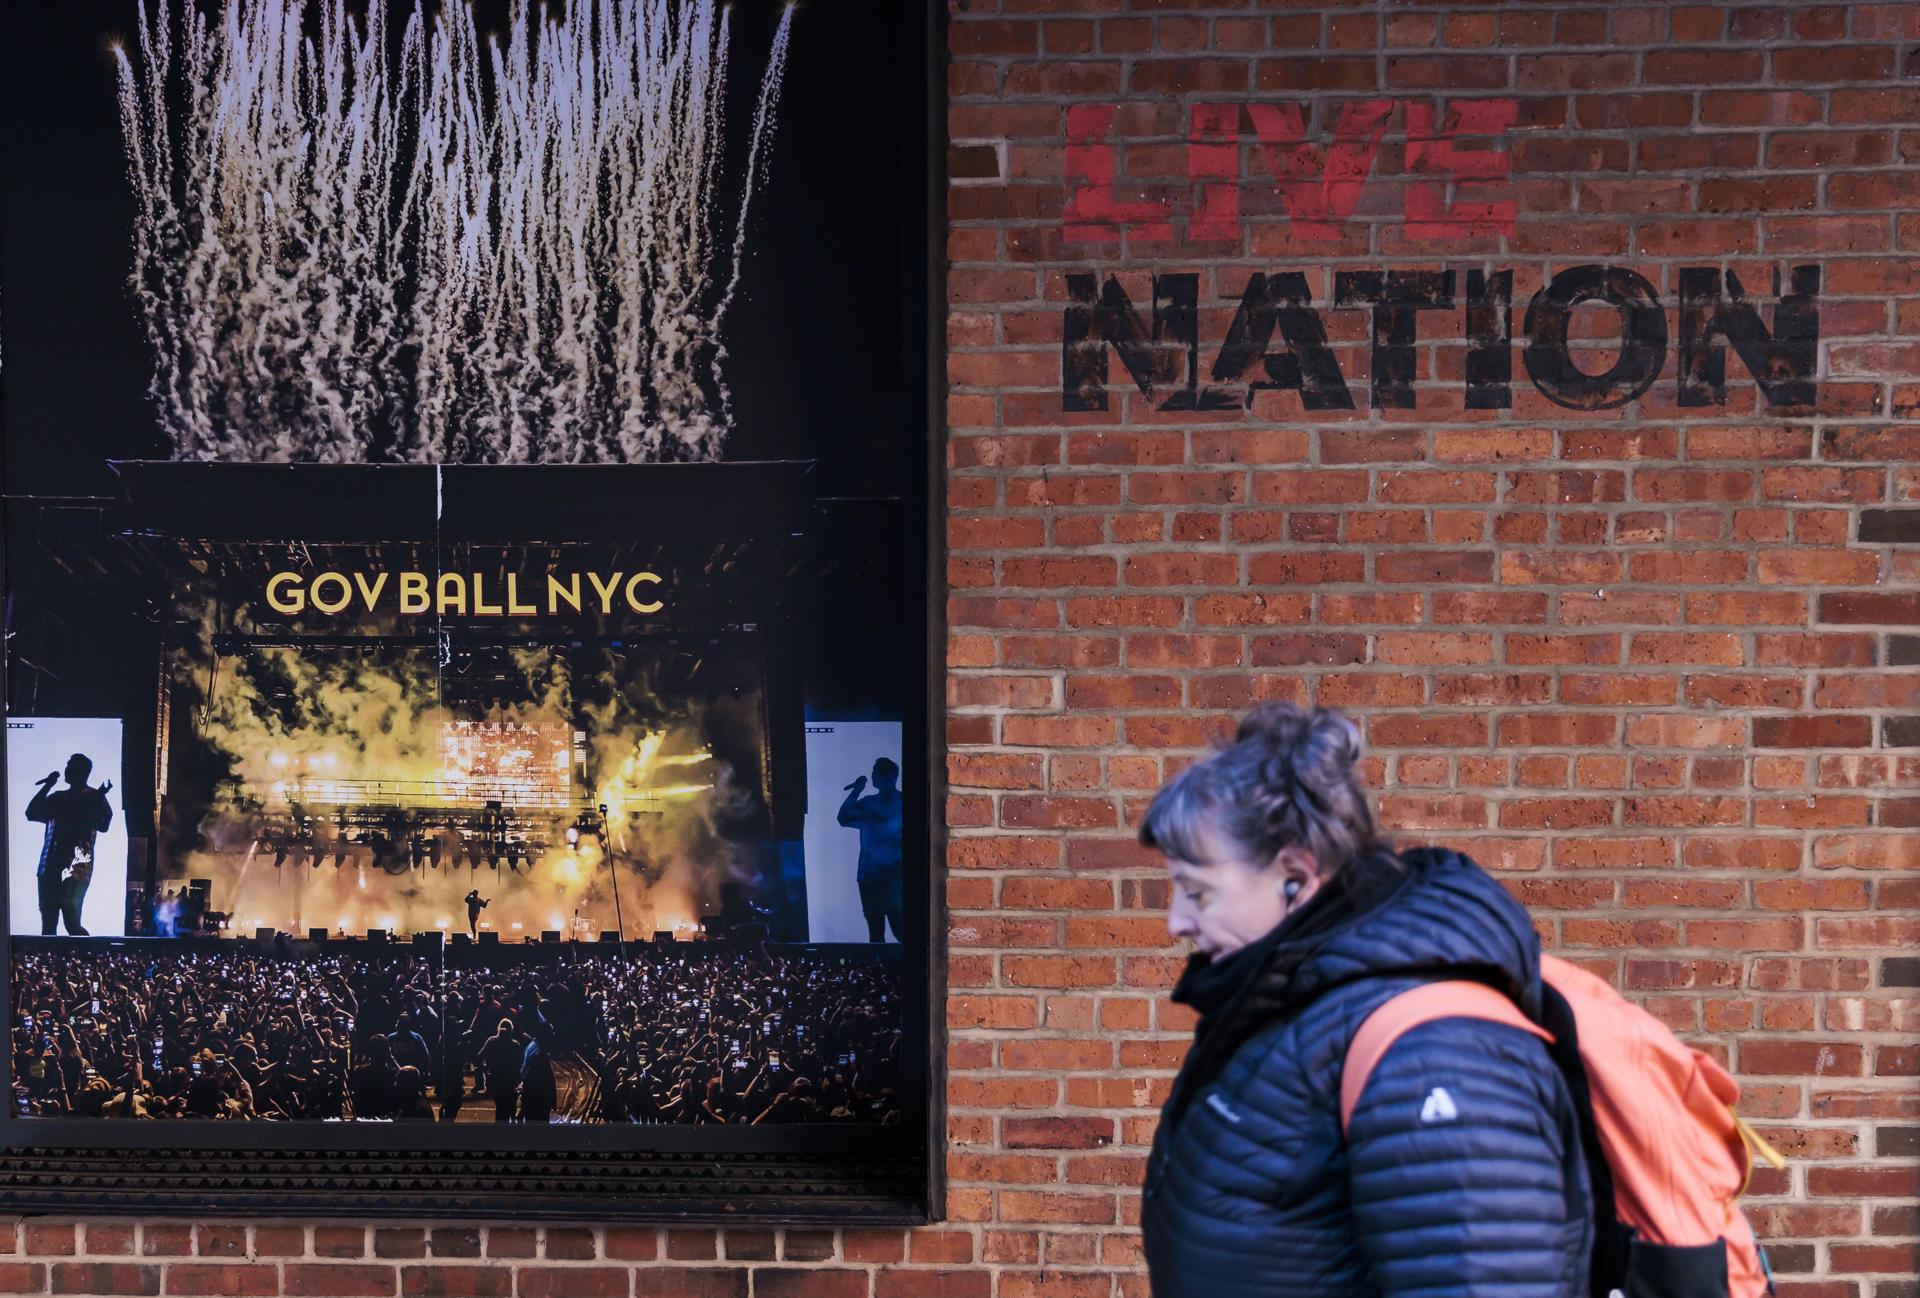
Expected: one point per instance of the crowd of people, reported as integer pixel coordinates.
(674, 1033)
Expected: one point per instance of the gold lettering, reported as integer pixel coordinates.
(285, 603)
(326, 578)
(605, 589)
(454, 592)
(557, 592)
(513, 595)
(413, 592)
(633, 600)
(480, 607)
(371, 594)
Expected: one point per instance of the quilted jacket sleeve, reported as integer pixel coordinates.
(1466, 1175)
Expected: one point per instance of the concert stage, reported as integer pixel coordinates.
(579, 692)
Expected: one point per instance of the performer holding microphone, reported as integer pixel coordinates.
(878, 818)
(475, 904)
(74, 817)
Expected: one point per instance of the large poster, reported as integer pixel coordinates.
(445, 448)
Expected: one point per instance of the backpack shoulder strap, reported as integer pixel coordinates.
(1407, 1011)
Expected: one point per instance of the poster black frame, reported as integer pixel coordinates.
(806, 1175)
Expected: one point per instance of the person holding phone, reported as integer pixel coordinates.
(74, 817)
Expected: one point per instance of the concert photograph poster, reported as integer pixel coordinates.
(469, 608)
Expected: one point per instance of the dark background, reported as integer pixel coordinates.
(822, 360)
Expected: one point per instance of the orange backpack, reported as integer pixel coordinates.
(1666, 1153)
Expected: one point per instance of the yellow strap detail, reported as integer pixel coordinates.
(1756, 1144)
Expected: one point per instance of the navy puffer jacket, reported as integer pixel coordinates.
(1462, 1172)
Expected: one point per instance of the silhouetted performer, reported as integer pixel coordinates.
(877, 817)
(74, 816)
(475, 903)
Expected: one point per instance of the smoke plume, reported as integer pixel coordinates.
(318, 750)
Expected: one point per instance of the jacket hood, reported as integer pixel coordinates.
(1447, 917)
(1427, 914)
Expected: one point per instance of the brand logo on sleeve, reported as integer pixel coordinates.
(1222, 1108)
(1439, 1106)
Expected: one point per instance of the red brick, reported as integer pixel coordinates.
(328, 1241)
(115, 1237)
(452, 1281)
(234, 1278)
(335, 1279)
(1030, 1206)
(1057, 1133)
(49, 1239)
(1802, 1058)
(1693, 649)
(573, 1282)
(1817, 731)
(917, 1283)
(93, 1278)
(1834, 63)
(1810, 894)
(276, 1241)
(221, 1241)
(511, 1243)
(797, 1247)
(1429, 568)
(856, 1245)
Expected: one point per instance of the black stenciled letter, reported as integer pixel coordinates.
(1489, 340)
(1307, 365)
(1092, 323)
(1782, 363)
(1395, 296)
(1643, 338)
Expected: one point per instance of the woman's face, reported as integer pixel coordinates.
(1226, 901)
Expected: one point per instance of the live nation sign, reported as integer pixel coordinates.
(1455, 181)
(1278, 338)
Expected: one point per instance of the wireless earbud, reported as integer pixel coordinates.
(1292, 889)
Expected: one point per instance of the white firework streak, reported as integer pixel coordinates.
(439, 249)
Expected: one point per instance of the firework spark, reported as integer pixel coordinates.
(440, 249)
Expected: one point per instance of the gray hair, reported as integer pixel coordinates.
(1288, 779)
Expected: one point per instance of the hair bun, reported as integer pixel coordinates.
(1277, 724)
(1342, 732)
(1288, 778)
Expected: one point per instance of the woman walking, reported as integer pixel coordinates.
(1459, 1174)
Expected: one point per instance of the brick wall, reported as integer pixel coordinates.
(1652, 662)
(1658, 663)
